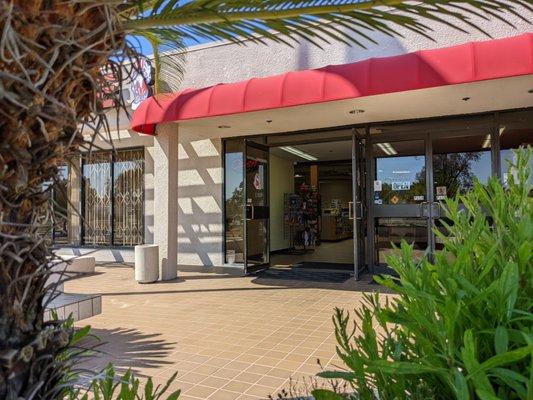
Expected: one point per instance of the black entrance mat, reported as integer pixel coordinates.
(300, 275)
(325, 265)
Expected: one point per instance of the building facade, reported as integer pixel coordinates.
(286, 164)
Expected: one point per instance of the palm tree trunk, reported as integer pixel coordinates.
(51, 56)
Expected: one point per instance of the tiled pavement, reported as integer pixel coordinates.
(227, 337)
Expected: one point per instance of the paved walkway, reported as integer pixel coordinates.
(228, 337)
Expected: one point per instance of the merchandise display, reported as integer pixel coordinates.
(302, 218)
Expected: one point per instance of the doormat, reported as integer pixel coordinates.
(300, 275)
(325, 265)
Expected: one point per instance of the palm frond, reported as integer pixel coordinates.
(316, 21)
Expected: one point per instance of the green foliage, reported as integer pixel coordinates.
(460, 327)
(126, 387)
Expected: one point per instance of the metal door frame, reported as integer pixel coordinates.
(358, 208)
(266, 265)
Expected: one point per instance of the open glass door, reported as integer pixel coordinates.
(256, 251)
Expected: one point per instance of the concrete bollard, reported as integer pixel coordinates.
(146, 263)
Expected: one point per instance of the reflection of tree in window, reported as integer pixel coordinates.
(416, 188)
(454, 171)
(234, 206)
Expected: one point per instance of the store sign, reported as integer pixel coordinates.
(141, 81)
(400, 186)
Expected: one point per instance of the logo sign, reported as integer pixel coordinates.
(399, 186)
(141, 80)
(394, 200)
(378, 186)
(257, 182)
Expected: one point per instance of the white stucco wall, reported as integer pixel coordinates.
(200, 222)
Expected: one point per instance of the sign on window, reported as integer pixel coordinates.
(403, 185)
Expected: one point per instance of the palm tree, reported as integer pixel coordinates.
(55, 60)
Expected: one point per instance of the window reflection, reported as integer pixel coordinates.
(458, 161)
(400, 173)
(128, 197)
(234, 201)
(113, 195)
(516, 131)
(97, 198)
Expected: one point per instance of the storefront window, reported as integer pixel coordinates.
(234, 201)
(128, 197)
(400, 173)
(516, 130)
(458, 161)
(113, 198)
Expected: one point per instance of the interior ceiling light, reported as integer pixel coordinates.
(224, 127)
(486, 142)
(299, 153)
(387, 149)
(357, 111)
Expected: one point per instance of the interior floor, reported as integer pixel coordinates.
(328, 252)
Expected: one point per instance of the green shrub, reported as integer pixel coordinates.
(460, 327)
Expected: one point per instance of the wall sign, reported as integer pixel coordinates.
(141, 81)
(378, 186)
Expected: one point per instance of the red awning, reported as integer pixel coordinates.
(471, 62)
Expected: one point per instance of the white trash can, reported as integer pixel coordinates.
(147, 263)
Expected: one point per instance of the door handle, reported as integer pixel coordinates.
(423, 209)
(436, 209)
(350, 210)
(360, 209)
(250, 212)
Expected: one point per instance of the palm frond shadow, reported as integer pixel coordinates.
(127, 348)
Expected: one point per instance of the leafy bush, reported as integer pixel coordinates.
(127, 387)
(461, 326)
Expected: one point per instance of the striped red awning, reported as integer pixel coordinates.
(470, 62)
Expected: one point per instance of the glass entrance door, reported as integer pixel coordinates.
(400, 202)
(411, 180)
(256, 251)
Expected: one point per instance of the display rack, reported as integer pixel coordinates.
(302, 219)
